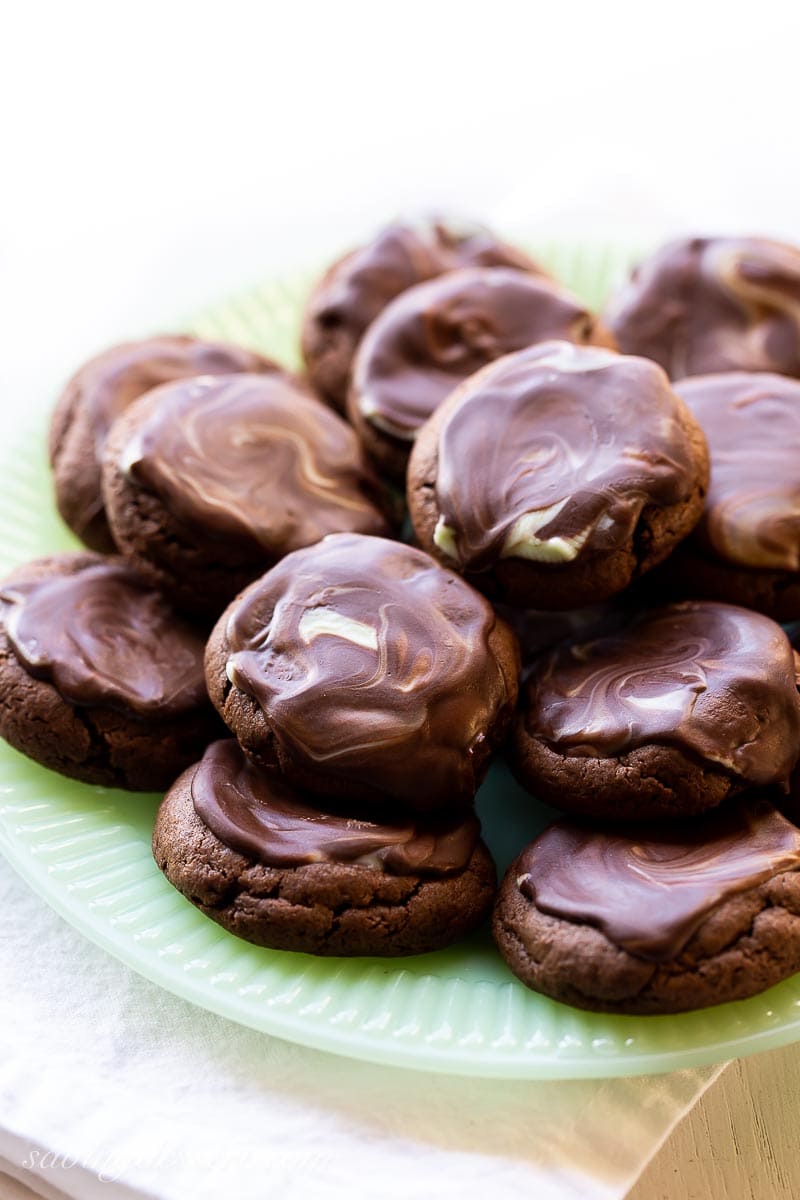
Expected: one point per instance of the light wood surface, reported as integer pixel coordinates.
(740, 1142)
(10, 1189)
(14, 1182)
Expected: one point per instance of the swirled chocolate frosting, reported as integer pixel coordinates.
(434, 335)
(718, 682)
(648, 890)
(251, 457)
(359, 285)
(260, 816)
(554, 451)
(106, 385)
(371, 661)
(701, 305)
(101, 637)
(538, 631)
(752, 424)
(110, 382)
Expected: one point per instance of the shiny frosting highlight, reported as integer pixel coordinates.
(252, 457)
(434, 335)
(553, 452)
(260, 816)
(649, 890)
(106, 385)
(372, 662)
(358, 286)
(701, 305)
(714, 680)
(752, 424)
(112, 381)
(101, 637)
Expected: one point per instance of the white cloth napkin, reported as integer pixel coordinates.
(112, 1088)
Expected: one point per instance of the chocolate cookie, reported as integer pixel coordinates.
(266, 863)
(99, 392)
(687, 706)
(655, 920)
(434, 335)
(99, 679)
(355, 289)
(360, 668)
(713, 304)
(539, 630)
(210, 481)
(746, 547)
(557, 475)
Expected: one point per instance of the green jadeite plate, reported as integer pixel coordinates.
(87, 852)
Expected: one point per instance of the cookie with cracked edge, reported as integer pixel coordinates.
(359, 667)
(435, 334)
(658, 919)
(99, 392)
(271, 866)
(556, 476)
(210, 481)
(99, 679)
(356, 287)
(746, 547)
(685, 707)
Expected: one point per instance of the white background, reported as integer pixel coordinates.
(159, 154)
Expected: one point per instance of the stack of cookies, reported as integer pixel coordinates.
(605, 506)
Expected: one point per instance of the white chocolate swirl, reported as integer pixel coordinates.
(554, 451)
(700, 305)
(253, 457)
(371, 661)
(752, 424)
(717, 681)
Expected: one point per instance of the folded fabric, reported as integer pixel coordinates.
(111, 1087)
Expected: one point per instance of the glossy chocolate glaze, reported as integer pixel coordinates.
(700, 305)
(430, 338)
(359, 285)
(648, 890)
(718, 682)
(106, 385)
(752, 424)
(553, 452)
(372, 663)
(255, 458)
(260, 816)
(538, 630)
(101, 637)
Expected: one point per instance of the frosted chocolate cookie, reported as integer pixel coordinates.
(556, 476)
(210, 481)
(688, 705)
(357, 286)
(539, 630)
(360, 668)
(746, 546)
(270, 865)
(99, 392)
(655, 920)
(99, 679)
(713, 304)
(434, 335)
